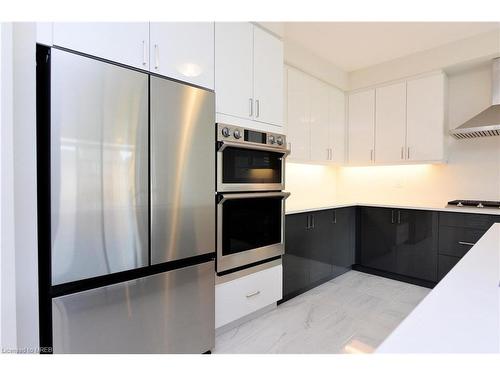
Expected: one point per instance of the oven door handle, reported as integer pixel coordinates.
(252, 146)
(225, 197)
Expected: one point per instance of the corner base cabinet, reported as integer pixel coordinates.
(319, 246)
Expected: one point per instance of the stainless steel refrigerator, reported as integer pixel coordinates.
(132, 209)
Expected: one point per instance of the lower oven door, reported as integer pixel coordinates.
(249, 228)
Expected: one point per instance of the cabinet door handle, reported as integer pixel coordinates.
(399, 217)
(371, 155)
(257, 108)
(331, 153)
(157, 56)
(392, 216)
(402, 152)
(308, 220)
(144, 53)
(334, 217)
(466, 243)
(250, 105)
(290, 147)
(312, 221)
(253, 294)
(408, 153)
(327, 154)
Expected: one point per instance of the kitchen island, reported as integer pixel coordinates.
(462, 313)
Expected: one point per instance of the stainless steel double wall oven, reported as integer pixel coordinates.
(250, 196)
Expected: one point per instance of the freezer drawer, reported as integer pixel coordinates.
(171, 312)
(182, 171)
(99, 167)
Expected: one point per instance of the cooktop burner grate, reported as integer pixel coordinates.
(472, 203)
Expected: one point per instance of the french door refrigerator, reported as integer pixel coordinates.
(126, 212)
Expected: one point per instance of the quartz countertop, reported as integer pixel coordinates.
(462, 313)
(445, 208)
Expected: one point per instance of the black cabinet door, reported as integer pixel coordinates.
(416, 244)
(377, 247)
(445, 264)
(343, 239)
(457, 241)
(321, 245)
(296, 258)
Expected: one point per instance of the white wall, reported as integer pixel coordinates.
(7, 270)
(310, 185)
(466, 51)
(472, 171)
(301, 58)
(24, 42)
(19, 271)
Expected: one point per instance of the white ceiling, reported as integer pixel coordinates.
(357, 45)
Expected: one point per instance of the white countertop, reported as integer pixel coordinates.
(462, 313)
(473, 210)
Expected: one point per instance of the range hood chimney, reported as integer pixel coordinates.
(486, 123)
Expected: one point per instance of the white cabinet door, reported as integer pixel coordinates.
(390, 123)
(123, 42)
(268, 78)
(234, 69)
(425, 118)
(337, 125)
(361, 129)
(298, 134)
(184, 51)
(319, 120)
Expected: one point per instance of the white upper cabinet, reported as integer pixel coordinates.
(390, 123)
(319, 121)
(234, 69)
(184, 51)
(268, 77)
(248, 74)
(407, 118)
(123, 42)
(361, 129)
(425, 118)
(337, 125)
(315, 119)
(298, 112)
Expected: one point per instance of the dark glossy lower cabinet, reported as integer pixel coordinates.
(319, 245)
(399, 241)
(458, 232)
(417, 246)
(445, 264)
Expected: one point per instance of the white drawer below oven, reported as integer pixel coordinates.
(236, 298)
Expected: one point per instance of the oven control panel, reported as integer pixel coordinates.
(242, 135)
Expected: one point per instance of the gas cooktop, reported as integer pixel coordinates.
(479, 204)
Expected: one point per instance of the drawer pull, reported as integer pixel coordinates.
(466, 243)
(253, 294)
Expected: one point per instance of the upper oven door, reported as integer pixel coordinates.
(250, 167)
(249, 228)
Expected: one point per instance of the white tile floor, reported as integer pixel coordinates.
(352, 313)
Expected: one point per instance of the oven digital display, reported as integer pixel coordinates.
(256, 137)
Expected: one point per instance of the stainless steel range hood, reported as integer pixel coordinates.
(486, 123)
